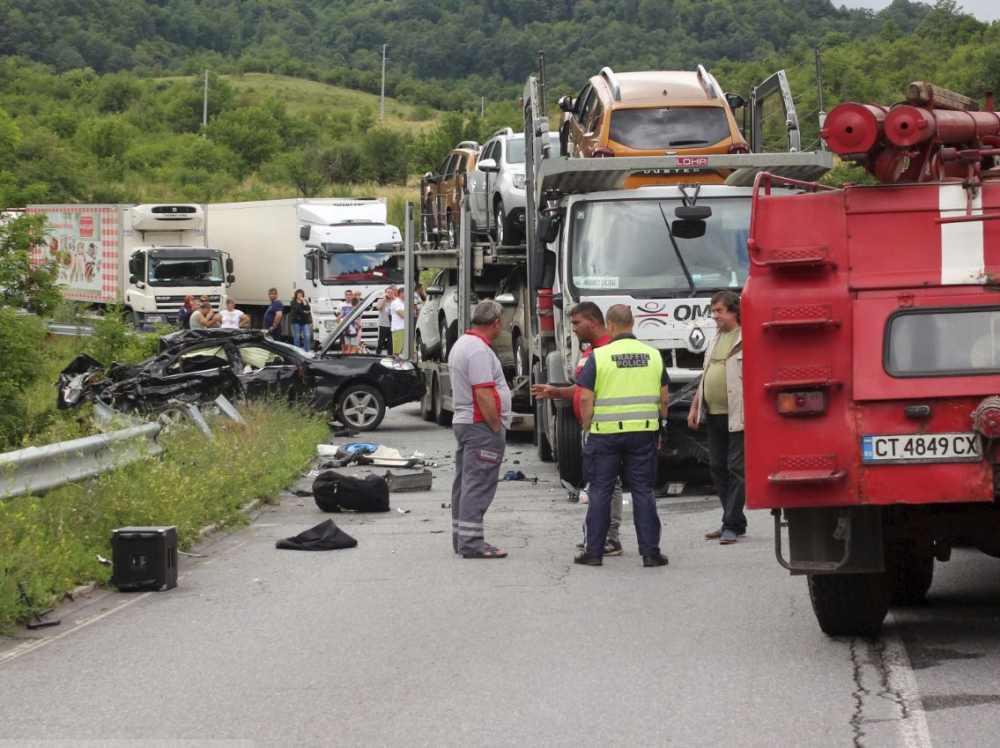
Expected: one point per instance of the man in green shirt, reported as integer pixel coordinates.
(718, 404)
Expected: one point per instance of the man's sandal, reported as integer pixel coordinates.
(489, 552)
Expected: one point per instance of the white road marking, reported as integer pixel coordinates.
(913, 729)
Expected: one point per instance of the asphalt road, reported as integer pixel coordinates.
(399, 642)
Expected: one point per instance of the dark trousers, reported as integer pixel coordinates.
(725, 455)
(605, 456)
(384, 340)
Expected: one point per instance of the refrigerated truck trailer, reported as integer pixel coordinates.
(323, 245)
(145, 257)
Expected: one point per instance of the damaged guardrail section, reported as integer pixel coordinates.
(38, 469)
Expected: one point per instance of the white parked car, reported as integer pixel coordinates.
(438, 319)
(496, 188)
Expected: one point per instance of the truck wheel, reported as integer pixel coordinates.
(441, 416)
(849, 604)
(361, 407)
(541, 437)
(569, 452)
(427, 401)
(911, 575)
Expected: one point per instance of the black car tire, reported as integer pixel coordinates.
(504, 230)
(449, 334)
(441, 416)
(361, 407)
(421, 351)
(911, 575)
(569, 447)
(427, 401)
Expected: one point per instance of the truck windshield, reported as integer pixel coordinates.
(185, 271)
(624, 246)
(361, 267)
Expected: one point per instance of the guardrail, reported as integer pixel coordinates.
(61, 328)
(39, 469)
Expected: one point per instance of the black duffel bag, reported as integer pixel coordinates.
(335, 492)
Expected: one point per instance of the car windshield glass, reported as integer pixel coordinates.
(624, 245)
(185, 271)
(361, 267)
(515, 149)
(943, 342)
(655, 129)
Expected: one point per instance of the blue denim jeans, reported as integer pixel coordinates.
(303, 333)
(607, 455)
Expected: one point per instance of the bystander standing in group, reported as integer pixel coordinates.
(272, 317)
(385, 321)
(482, 416)
(204, 318)
(352, 335)
(418, 299)
(301, 313)
(718, 404)
(588, 325)
(233, 318)
(185, 312)
(397, 322)
(623, 398)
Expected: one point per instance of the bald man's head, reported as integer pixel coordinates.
(619, 319)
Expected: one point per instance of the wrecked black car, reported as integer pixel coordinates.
(196, 366)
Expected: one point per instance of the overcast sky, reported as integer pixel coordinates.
(985, 10)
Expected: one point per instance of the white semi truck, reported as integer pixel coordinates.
(323, 245)
(145, 257)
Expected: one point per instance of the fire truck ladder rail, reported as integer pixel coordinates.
(843, 532)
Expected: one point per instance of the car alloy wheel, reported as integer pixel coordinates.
(501, 221)
(443, 330)
(362, 407)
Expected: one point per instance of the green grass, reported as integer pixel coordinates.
(50, 544)
(304, 96)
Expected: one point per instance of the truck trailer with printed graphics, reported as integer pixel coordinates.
(146, 258)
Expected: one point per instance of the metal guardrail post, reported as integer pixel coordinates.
(39, 469)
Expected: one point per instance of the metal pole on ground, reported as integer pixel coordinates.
(409, 281)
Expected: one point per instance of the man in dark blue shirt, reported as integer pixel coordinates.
(272, 317)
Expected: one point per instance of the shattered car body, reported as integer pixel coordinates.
(196, 366)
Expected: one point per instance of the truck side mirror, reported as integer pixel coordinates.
(506, 299)
(133, 280)
(685, 229)
(230, 279)
(548, 227)
(133, 267)
(304, 232)
(229, 265)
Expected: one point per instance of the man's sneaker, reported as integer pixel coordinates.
(728, 538)
(658, 560)
(585, 559)
(714, 534)
(613, 548)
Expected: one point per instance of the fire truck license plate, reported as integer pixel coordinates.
(897, 448)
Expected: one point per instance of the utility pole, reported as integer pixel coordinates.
(819, 86)
(382, 108)
(204, 107)
(482, 106)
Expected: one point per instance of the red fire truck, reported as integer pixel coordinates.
(871, 327)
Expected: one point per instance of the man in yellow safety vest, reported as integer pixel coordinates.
(623, 398)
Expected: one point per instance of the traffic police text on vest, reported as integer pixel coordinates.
(627, 387)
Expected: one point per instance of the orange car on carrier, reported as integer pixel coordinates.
(652, 113)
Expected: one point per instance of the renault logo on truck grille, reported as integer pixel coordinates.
(697, 338)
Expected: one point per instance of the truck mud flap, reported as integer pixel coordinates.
(830, 540)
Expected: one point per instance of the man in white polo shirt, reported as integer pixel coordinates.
(481, 404)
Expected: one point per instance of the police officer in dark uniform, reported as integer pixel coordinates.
(623, 400)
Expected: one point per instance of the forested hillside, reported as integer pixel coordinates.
(101, 101)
